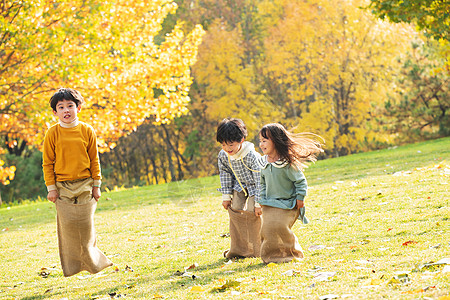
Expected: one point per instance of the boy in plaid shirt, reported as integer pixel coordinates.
(239, 173)
(238, 167)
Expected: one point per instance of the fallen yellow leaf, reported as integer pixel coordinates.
(418, 291)
(375, 281)
(197, 288)
(227, 285)
(271, 265)
(444, 297)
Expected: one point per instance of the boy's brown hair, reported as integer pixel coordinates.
(66, 94)
(231, 130)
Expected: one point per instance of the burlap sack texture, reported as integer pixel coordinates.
(244, 234)
(278, 242)
(77, 239)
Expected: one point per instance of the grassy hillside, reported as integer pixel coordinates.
(378, 221)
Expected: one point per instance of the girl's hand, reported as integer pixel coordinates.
(96, 193)
(52, 196)
(258, 211)
(300, 204)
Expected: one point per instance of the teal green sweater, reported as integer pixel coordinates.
(281, 185)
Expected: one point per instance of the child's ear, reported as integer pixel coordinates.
(78, 108)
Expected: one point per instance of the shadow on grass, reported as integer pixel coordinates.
(45, 295)
(214, 272)
(172, 282)
(219, 263)
(111, 292)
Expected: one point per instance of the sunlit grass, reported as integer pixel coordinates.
(373, 216)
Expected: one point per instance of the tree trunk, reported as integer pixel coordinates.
(169, 154)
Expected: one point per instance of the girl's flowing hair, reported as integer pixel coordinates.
(295, 148)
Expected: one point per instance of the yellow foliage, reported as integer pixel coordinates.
(319, 120)
(335, 63)
(228, 82)
(106, 50)
(7, 173)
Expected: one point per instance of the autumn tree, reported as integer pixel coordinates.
(330, 64)
(226, 77)
(104, 49)
(228, 83)
(107, 51)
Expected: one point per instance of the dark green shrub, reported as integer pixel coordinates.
(28, 182)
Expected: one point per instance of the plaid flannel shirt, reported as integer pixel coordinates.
(250, 180)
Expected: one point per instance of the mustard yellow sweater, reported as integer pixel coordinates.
(70, 153)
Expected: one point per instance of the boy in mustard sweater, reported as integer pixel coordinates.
(72, 175)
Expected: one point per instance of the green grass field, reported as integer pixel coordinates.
(379, 229)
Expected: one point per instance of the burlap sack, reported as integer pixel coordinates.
(278, 241)
(244, 234)
(77, 239)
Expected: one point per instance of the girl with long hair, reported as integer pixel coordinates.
(283, 189)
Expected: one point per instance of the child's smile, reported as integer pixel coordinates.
(232, 147)
(267, 147)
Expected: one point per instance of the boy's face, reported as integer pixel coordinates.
(66, 111)
(232, 147)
